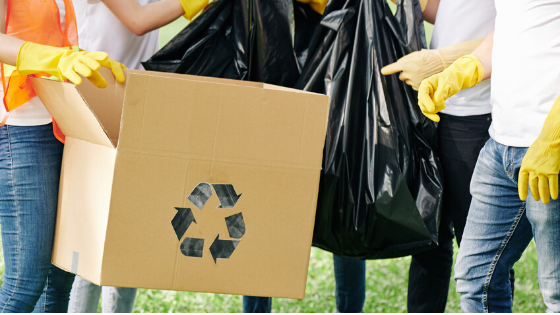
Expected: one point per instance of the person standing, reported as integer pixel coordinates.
(524, 150)
(31, 34)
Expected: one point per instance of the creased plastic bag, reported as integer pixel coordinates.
(381, 184)
(256, 40)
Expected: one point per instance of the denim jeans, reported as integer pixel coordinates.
(350, 291)
(85, 298)
(499, 227)
(30, 161)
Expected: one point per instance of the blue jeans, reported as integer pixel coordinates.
(30, 161)
(499, 227)
(85, 298)
(350, 291)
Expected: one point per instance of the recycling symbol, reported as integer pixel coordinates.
(220, 248)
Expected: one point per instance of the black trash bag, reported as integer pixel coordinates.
(381, 184)
(252, 40)
(215, 44)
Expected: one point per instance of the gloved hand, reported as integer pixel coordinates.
(62, 63)
(193, 7)
(317, 5)
(423, 4)
(116, 67)
(420, 65)
(464, 73)
(541, 164)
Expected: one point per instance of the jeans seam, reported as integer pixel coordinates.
(17, 216)
(509, 169)
(46, 290)
(497, 257)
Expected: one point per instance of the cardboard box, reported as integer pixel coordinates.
(156, 172)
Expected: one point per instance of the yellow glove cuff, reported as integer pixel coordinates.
(465, 67)
(317, 5)
(193, 7)
(451, 53)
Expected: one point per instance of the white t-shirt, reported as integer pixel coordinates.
(32, 113)
(459, 21)
(525, 69)
(100, 30)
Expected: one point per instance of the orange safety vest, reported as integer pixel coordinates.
(36, 21)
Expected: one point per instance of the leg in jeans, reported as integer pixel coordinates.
(56, 293)
(350, 277)
(460, 141)
(497, 231)
(30, 160)
(84, 297)
(428, 281)
(118, 300)
(257, 304)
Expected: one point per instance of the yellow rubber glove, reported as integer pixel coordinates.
(116, 67)
(317, 5)
(541, 164)
(464, 73)
(193, 7)
(62, 63)
(420, 65)
(423, 4)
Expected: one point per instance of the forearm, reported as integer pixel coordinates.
(9, 46)
(143, 19)
(430, 11)
(484, 53)
(9, 49)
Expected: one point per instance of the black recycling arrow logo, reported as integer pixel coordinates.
(220, 248)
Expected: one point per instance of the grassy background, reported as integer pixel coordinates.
(386, 290)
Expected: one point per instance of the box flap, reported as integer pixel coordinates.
(106, 103)
(71, 112)
(185, 116)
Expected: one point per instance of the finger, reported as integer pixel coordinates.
(433, 117)
(72, 76)
(425, 97)
(412, 84)
(98, 80)
(98, 55)
(82, 69)
(553, 185)
(392, 68)
(91, 63)
(404, 76)
(544, 192)
(116, 67)
(534, 185)
(441, 94)
(522, 184)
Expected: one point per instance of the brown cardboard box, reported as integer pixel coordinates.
(127, 196)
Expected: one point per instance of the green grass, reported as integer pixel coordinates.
(386, 290)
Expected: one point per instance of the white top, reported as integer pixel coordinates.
(32, 113)
(525, 69)
(100, 30)
(460, 21)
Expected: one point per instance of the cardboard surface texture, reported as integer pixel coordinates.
(153, 167)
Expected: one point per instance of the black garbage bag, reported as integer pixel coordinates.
(215, 44)
(256, 40)
(381, 184)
